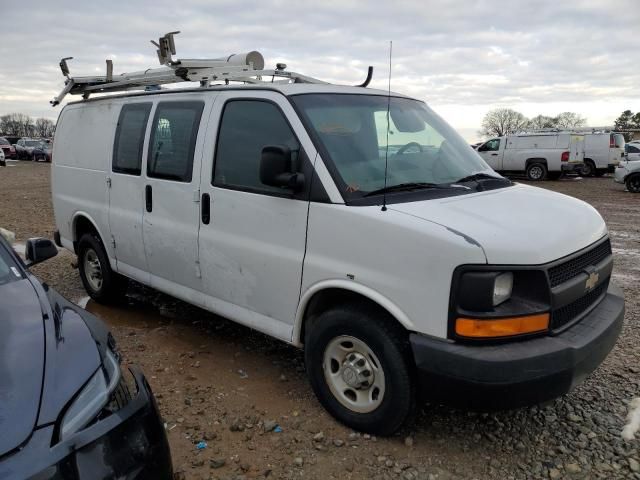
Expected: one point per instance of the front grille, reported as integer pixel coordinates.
(564, 315)
(571, 268)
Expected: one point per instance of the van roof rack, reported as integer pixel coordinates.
(244, 67)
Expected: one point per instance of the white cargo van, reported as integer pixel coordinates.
(538, 155)
(400, 267)
(603, 152)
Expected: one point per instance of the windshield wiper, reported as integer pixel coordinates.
(480, 177)
(406, 187)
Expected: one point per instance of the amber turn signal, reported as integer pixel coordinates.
(503, 327)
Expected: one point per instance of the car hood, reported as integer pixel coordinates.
(21, 362)
(515, 225)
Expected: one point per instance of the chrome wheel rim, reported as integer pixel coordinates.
(535, 173)
(93, 269)
(354, 374)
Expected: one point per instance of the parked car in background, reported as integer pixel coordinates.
(42, 151)
(8, 149)
(538, 155)
(25, 146)
(602, 153)
(628, 172)
(3, 163)
(67, 409)
(632, 151)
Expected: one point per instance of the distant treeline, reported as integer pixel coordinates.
(21, 125)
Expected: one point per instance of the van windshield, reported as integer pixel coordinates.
(353, 133)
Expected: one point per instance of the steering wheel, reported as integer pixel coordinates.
(406, 147)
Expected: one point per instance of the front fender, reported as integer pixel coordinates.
(351, 286)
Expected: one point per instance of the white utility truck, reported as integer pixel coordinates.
(353, 223)
(538, 155)
(602, 152)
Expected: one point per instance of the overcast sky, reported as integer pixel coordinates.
(462, 57)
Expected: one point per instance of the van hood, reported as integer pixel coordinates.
(21, 362)
(518, 225)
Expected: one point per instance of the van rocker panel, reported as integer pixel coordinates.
(512, 375)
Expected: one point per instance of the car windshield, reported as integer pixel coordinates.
(8, 269)
(4, 141)
(32, 143)
(353, 131)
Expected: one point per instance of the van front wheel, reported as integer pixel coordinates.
(101, 283)
(633, 183)
(359, 366)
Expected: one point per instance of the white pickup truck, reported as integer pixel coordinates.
(539, 156)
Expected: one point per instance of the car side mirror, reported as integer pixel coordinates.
(277, 169)
(38, 250)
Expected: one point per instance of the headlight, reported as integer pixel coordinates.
(92, 398)
(489, 303)
(502, 287)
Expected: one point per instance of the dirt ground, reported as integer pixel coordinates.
(227, 385)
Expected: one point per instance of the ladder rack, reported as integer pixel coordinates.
(245, 68)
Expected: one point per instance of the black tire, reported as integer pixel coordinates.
(633, 183)
(554, 175)
(589, 168)
(113, 286)
(536, 171)
(390, 347)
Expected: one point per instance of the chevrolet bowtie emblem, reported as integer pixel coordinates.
(592, 280)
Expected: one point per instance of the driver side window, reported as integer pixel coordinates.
(490, 146)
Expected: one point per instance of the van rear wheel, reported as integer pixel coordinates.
(536, 172)
(360, 368)
(588, 168)
(101, 283)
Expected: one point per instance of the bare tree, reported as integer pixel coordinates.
(10, 124)
(44, 127)
(541, 121)
(21, 125)
(569, 120)
(503, 121)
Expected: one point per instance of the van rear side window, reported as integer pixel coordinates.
(127, 147)
(173, 140)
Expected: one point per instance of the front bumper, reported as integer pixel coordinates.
(130, 443)
(512, 375)
(619, 174)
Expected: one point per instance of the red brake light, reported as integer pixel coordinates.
(564, 157)
(612, 142)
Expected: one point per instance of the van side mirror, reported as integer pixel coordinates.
(277, 169)
(38, 250)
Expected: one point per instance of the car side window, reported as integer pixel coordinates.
(245, 128)
(127, 146)
(631, 149)
(490, 146)
(173, 140)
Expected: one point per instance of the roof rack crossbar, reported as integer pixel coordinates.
(245, 68)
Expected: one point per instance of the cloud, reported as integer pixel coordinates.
(462, 57)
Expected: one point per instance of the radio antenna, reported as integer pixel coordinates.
(386, 153)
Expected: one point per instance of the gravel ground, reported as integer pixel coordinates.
(247, 396)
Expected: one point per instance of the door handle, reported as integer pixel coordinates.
(205, 206)
(494, 154)
(148, 198)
